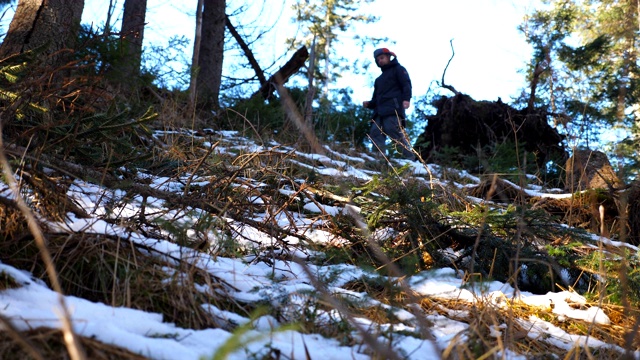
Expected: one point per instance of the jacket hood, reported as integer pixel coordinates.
(391, 64)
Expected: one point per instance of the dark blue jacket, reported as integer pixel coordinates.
(391, 88)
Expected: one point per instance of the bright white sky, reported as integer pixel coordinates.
(490, 51)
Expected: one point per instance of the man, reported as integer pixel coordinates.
(391, 96)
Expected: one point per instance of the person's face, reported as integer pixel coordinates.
(383, 59)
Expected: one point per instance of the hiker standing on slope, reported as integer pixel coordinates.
(391, 96)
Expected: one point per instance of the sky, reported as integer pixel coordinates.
(489, 50)
(283, 281)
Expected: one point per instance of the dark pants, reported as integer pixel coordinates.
(389, 126)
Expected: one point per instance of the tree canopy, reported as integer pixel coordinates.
(586, 65)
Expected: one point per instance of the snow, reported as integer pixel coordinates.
(34, 305)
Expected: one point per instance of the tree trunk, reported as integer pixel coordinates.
(195, 56)
(211, 53)
(39, 23)
(132, 35)
(311, 91)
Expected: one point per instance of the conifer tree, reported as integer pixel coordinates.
(586, 62)
(322, 21)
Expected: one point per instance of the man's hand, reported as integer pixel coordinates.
(406, 104)
(365, 104)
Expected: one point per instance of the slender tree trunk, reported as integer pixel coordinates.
(327, 67)
(629, 58)
(311, 91)
(623, 83)
(543, 64)
(107, 23)
(284, 73)
(210, 58)
(132, 35)
(195, 56)
(38, 23)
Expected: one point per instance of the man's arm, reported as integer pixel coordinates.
(371, 104)
(405, 85)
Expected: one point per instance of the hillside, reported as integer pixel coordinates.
(232, 246)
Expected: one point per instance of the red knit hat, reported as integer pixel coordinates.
(383, 51)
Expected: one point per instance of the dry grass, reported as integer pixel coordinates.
(7, 282)
(44, 343)
(11, 220)
(494, 329)
(116, 272)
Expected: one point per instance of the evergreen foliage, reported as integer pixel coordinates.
(322, 22)
(410, 225)
(586, 68)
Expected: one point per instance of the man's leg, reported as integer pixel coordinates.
(378, 138)
(393, 129)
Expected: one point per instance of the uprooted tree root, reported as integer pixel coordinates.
(470, 126)
(630, 200)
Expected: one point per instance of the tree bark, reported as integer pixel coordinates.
(311, 89)
(132, 35)
(195, 56)
(209, 76)
(38, 23)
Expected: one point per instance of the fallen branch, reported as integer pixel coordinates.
(294, 115)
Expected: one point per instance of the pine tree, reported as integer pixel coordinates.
(322, 21)
(586, 66)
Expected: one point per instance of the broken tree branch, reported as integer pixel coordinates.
(286, 71)
(247, 52)
(442, 83)
(294, 115)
